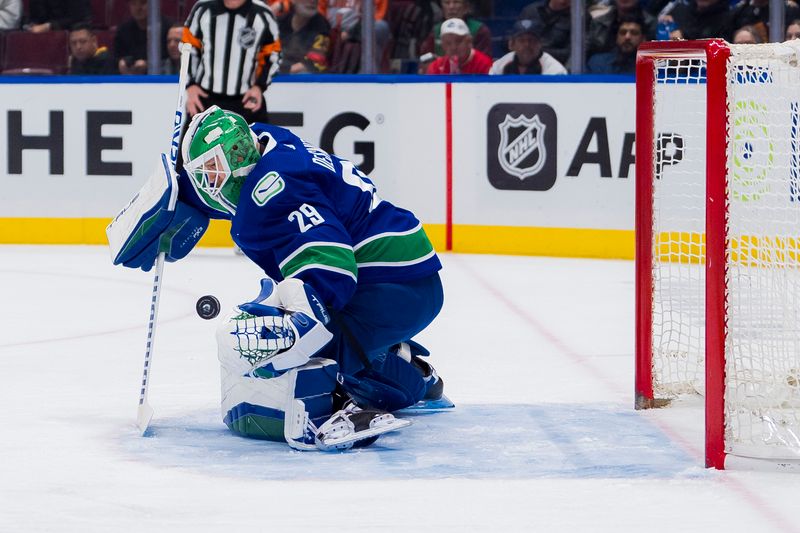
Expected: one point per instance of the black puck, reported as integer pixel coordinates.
(207, 307)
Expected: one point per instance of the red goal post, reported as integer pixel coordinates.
(718, 240)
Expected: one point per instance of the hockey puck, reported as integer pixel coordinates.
(207, 307)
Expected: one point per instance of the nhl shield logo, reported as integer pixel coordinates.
(247, 37)
(521, 151)
(521, 146)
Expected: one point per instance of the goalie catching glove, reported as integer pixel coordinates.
(281, 329)
(155, 221)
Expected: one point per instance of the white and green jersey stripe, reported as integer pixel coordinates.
(331, 256)
(394, 249)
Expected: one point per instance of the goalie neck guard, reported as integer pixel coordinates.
(219, 151)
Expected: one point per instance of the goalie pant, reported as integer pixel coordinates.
(256, 398)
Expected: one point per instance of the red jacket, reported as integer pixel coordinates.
(478, 63)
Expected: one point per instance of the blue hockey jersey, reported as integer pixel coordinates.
(307, 214)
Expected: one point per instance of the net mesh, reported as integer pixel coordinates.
(679, 227)
(259, 338)
(762, 345)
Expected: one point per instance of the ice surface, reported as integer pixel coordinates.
(537, 354)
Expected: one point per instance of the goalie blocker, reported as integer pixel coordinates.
(155, 221)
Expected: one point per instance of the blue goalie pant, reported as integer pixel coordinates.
(367, 332)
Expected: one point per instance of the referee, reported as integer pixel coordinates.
(235, 51)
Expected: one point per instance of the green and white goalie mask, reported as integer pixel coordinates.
(219, 151)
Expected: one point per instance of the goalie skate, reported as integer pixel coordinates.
(356, 427)
(435, 398)
(443, 402)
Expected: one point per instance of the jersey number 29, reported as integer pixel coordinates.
(306, 217)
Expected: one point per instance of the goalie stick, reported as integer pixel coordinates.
(145, 411)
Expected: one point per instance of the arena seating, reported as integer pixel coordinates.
(99, 13)
(118, 11)
(47, 53)
(35, 53)
(185, 8)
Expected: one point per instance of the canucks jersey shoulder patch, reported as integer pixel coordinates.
(267, 188)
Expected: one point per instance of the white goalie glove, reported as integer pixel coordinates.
(280, 329)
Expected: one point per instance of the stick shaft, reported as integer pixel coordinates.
(180, 111)
(145, 412)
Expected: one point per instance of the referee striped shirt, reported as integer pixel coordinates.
(232, 49)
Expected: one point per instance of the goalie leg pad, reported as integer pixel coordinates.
(255, 421)
(281, 408)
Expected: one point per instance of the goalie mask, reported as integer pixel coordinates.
(219, 151)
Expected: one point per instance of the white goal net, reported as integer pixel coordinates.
(760, 229)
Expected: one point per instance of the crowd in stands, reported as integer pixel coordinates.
(89, 37)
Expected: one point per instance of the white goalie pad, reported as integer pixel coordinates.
(146, 216)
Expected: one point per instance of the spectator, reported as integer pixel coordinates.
(554, 17)
(459, 9)
(526, 55)
(86, 58)
(700, 19)
(305, 39)
(746, 35)
(412, 24)
(459, 56)
(622, 59)
(755, 13)
(50, 15)
(130, 42)
(344, 17)
(279, 7)
(602, 33)
(247, 42)
(10, 14)
(172, 63)
(793, 30)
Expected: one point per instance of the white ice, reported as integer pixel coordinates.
(537, 353)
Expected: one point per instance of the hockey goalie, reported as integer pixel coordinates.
(323, 355)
